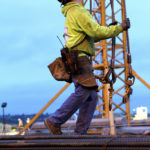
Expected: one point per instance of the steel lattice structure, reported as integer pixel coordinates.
(101, 12)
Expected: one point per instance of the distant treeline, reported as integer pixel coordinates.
(13, 119)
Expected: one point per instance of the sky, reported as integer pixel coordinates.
(28, 43)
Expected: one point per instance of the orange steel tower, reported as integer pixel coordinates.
(101, 11)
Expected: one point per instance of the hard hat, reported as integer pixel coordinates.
(63, 2)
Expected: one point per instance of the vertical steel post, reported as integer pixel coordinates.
(125, 60)
(82, 2)
(104, 57)
(4, 121)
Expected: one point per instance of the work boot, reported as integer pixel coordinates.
(52, 128)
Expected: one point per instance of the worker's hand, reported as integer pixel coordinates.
(113, 23)
(126, 24)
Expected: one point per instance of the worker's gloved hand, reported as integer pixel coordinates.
(126, 24)
(113, 23)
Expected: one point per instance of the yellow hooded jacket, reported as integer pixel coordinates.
(80, 26)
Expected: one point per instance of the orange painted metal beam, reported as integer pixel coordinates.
(140, 79)
(82, 2)
(44, 108)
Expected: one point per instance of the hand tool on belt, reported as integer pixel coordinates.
(70, 58)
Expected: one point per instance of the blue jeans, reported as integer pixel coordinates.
(84, 99)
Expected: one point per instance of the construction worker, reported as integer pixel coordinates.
(20, 124)
(80, 33)
(28, 121)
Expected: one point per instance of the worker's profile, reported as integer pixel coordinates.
(80, 33)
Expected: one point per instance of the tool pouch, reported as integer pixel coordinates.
(70, 58)
(58, 70)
